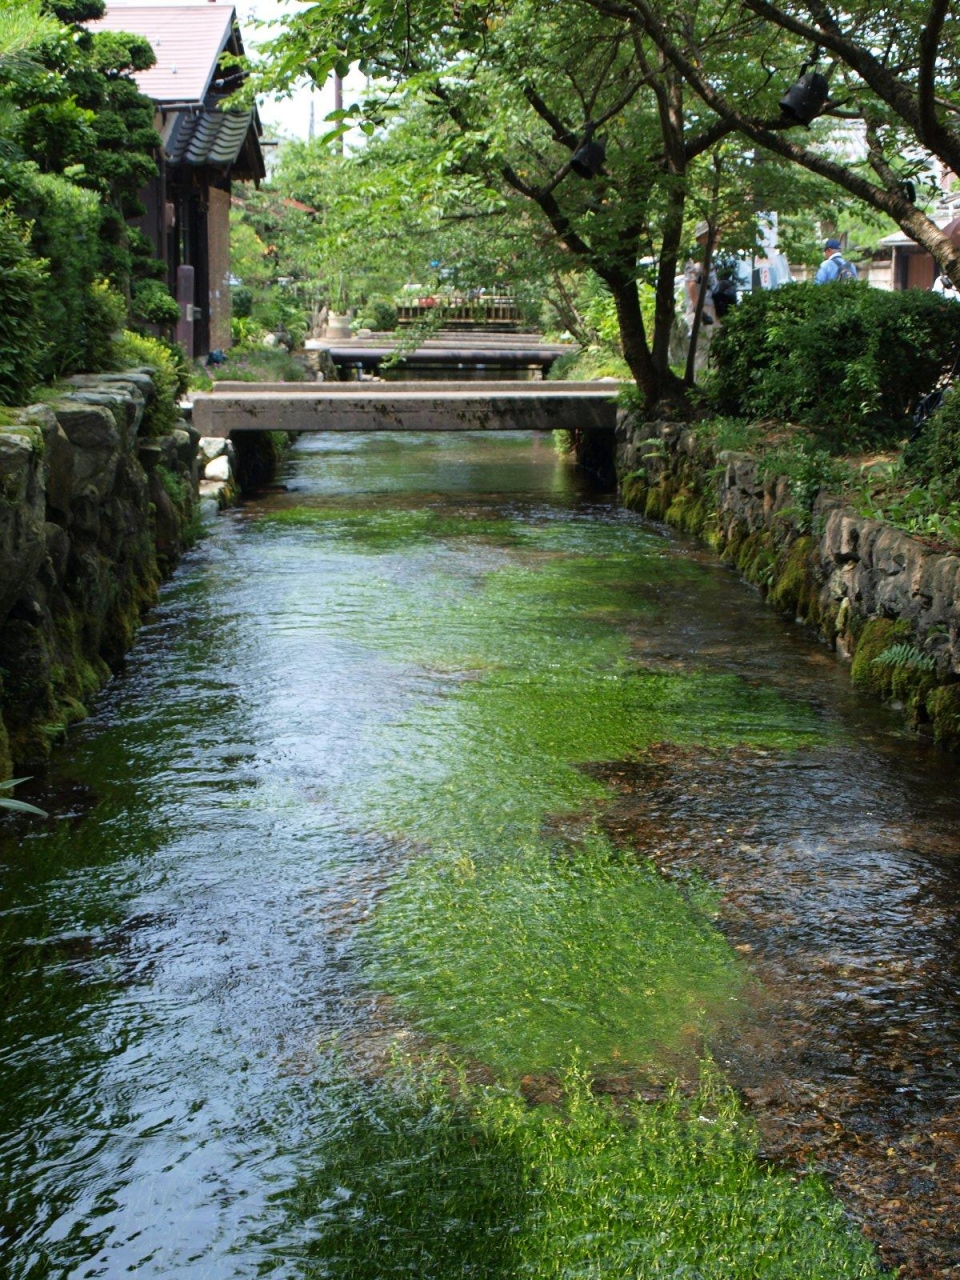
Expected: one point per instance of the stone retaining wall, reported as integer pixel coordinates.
(92, 516)
(884, 601)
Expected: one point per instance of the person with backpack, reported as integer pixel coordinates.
(834, 265)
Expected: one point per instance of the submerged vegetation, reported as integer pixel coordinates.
(437, 1182)
(537, 959)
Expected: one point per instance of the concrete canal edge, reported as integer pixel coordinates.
(885, 602)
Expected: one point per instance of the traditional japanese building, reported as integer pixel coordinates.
(206, 146)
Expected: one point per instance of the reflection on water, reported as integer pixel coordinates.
(176, 943)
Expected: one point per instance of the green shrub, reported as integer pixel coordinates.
(246, 331)
(241, 302)
(152, 303)
(107, 316)
(65, 226)
(281, 313)
(136, 349)
(379, 314)
(22, 280)
(934, 457)
(808, 470)
(839, 356)
(257, 363)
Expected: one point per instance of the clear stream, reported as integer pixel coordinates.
(360, 775)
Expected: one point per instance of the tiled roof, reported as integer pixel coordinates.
(187, 39)
(211, 137)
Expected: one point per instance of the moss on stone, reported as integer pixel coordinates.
(6, 759)
(794, 585)
(756, 558)
(658, 500)
(943, 708)
(875, 636)
(633, 491)
(736, 535)
(687, 511)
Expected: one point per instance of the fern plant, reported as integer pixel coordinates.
(904, 657)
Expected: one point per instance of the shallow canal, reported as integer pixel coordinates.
(464, 879)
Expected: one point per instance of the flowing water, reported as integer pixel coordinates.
(350, 870)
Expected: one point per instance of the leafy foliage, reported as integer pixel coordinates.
(842, 357)
(152, 303)
(79, 145)
(170, 376)
(904, 656)
(22, 279)
(18, 806)
(64, 231)
(379, 314)
(934, 457)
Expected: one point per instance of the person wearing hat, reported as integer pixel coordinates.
(834, 265)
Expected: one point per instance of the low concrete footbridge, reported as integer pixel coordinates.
(405, 406)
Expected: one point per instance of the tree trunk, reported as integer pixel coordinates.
(655, 386)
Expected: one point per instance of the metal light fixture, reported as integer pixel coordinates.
(587, 161)
(806, 99)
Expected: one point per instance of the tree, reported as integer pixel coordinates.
(519, 96)
(892, 73)
(77, 147)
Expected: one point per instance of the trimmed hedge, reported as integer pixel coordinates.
(834, 356)
(64, 223)
(22, 281)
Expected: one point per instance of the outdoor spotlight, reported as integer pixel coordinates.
(588, 161)
(806, 99)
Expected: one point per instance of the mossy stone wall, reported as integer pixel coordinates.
(92, 516)
(882, 600)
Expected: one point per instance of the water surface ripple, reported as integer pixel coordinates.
(175, 942)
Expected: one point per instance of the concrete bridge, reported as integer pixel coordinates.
(405, 406)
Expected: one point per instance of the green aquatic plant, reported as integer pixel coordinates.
(580, 1189)
(520, 946)
(515, 934)
(537, 958)
(383, 530)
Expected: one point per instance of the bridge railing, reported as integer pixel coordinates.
(486, 309)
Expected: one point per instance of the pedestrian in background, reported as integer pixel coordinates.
(834, 265)
(946, 288)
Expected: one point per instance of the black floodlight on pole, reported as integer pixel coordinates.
(587, 160)
(805, 100)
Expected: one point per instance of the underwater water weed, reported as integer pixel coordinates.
(531, 962)
(519, 938)
(380, 530)
(487, 939)
(469, 1181)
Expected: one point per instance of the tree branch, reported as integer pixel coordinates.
(916, 224)
(926, 78)
(562, 133)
